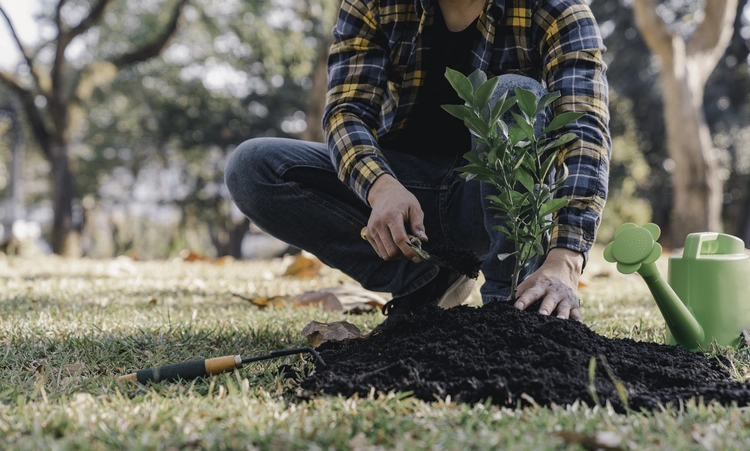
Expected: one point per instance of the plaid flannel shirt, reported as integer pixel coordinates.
(375, 71)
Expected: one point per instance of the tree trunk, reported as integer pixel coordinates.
(696, 183)
(64, 241)
(685, 70)
(317, 99)
(231, 242)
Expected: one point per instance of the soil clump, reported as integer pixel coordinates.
(518, 358)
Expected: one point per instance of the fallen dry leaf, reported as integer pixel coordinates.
(326, 301)
(347, 297)
(319, 333)
(263, 302)
(190, 256)
(73, 368)
(605, 440)
(304, 267)
(221, 261)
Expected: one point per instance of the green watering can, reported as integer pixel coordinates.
(708, 294)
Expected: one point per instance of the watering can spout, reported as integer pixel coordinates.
(684, 327)
(635, 249)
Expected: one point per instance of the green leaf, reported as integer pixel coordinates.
(563, 176)
(478, 126)
(525, 178)
(519, 198)
(477, 78)
(546, 100)
(472, 169)
(502, 257)
(501, 108)
(565, 139)
(473, 157)
(460, 84)
(522, 123)
(547, 164)
(460, 111)
(492, 157)
(484, 92)
(526, 101)
(552, 206)
(562, 119)
(538, 249)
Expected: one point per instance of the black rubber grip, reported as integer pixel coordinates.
(167, 373)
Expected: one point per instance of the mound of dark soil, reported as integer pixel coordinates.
(514, 356)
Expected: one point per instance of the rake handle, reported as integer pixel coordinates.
(185, 370)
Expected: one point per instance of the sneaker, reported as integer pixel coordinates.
(448, 289)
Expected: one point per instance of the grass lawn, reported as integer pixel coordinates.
(68, 328)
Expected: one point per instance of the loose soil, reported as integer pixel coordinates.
(518, 358)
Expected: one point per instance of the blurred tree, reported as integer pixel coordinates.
(685, 69)
(55, 89)
(163, 131)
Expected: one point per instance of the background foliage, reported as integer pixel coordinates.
(150, 151)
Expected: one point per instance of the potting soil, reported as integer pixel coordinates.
(518, 358)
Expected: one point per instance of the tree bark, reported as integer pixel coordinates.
(51, 126)
(698, 189)
(62, 239)
(317, 100)
(232, 244)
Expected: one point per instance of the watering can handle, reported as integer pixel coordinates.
(711, 243)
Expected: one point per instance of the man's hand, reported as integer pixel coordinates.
(393, 206)
(557, 282)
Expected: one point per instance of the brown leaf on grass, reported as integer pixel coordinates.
(346, 297)
(582, 284)
(221, 261)
(73, 368)
(319, 333)
(263, 302)
(304, 267)
(326, 301)
(190, 256)
(606, 440)
(152, 302)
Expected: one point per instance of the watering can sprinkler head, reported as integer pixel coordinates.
(635, 249)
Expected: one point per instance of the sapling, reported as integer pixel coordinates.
(514, 159)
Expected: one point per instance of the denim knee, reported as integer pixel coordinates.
(246, 170)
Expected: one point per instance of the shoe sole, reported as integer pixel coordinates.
(457, 293)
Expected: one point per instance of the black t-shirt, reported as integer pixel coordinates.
(430, 129)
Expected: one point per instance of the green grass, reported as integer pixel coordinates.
(68, 328)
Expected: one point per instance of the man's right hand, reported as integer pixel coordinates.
(393, 208)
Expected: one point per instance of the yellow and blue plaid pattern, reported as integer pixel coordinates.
(375, 72)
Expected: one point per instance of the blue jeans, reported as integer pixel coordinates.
(290, 189)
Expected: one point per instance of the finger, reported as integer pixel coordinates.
(392, 250)
(575, 314)
(375, 243)
(416, 223)
(530, 296)
(373, 238)
(550, 302)
(563, 309)
(402, 241)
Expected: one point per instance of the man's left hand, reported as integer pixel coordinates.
(556, 282)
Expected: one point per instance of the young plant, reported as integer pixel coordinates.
(514, 159)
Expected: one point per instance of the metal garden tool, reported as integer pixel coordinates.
(204, 367)
(708, 294)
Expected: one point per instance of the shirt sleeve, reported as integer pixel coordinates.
(357, 83)
(572, 54)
